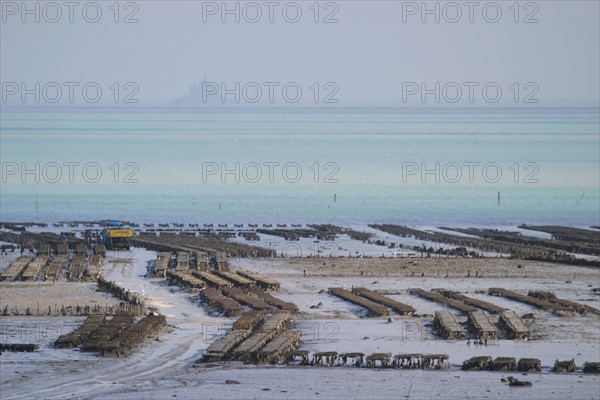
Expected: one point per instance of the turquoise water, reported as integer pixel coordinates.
(356, 166)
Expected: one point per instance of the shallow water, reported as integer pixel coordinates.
(356, 166)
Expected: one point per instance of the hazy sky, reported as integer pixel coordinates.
(367, 54)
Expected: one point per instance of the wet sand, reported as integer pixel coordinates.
(165, 366)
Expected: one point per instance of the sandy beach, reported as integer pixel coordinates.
(168, 364)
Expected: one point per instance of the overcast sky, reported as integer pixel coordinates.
(368, 53)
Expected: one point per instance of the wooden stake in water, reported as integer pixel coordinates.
(334, 197)
(498, 199)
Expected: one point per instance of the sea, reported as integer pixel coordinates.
(352, 167)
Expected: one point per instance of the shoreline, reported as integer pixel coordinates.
(166, 363)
